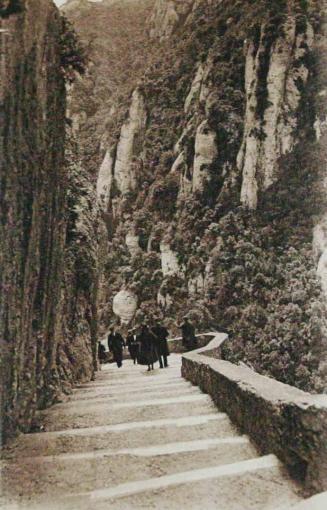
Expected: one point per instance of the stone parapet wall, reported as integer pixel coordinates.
(176, 344)
(279, 418)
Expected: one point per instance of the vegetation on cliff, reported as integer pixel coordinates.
(258, 267)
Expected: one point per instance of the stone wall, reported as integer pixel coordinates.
(279, 418)
(176, 344)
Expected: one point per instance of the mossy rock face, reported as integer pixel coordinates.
(47, 308)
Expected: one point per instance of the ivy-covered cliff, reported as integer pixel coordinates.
(213, 192)
(47, 307)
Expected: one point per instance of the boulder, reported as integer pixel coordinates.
(125, 305)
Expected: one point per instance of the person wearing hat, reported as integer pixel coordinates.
(188, 334)
(116, 344)
(161, 334)
(133, 345)
(101, 354)
(148, 353)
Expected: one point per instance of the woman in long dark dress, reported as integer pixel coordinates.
(117, 345)
(148, 354)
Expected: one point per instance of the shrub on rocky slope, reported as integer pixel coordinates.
(222, 186)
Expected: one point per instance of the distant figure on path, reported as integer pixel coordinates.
(188, 334)
(147, 354)
(161, 333)
(116, 344)
(133, 345)
(111, 337)
(101, 354)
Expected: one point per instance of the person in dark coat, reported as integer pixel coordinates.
(161, 333)
(111, 337)
(116, 344)
(101, 353)
(188, 334)
(148, 354)
(133, 346)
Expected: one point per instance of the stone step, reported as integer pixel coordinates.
(128, 366)
(258, 484)
(134, 434)
(150, 451)
(249, 488)
(191, 476)
(109, 414)
(129, 396)
(129, 388)
(92, 471)
(123, 380)
(138, 440)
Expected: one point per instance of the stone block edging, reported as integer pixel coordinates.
(176, 344)
(279, 418)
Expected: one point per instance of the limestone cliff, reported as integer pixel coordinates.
(168, 16)
(229, 180)
(43, 349)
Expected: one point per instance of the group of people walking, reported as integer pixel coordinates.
(147, 344)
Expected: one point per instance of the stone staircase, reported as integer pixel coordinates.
(141, 440)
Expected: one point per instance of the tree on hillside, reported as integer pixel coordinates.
(72, 52)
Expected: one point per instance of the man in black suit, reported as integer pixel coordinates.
(161, 333)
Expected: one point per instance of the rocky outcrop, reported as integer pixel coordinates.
(206, 151)
(118, 173)
(270, 122)
(195, 91)
(130, 144)
(40, 301)
(169, 261)
(133, 244)
(104, 181)
(320, 125)
(167, 16)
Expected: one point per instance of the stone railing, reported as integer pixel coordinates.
(176, 344)
(279, 418)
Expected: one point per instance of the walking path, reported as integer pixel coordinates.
(141, 440)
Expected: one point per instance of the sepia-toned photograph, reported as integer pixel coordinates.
(163, 254)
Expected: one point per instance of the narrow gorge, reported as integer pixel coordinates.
(180, 167)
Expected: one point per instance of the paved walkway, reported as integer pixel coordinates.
(141, 440)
